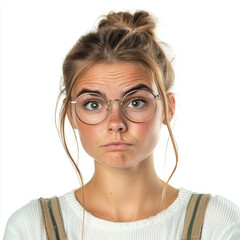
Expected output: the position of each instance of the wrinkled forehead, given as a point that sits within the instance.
(114, 78)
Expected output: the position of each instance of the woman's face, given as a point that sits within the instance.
(113, 79)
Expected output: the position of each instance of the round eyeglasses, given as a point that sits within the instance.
(138, 106)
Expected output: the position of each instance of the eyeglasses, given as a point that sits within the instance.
(137, 106)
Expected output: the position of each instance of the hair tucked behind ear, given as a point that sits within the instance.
(120, 36)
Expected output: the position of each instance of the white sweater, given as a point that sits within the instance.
(222, 222)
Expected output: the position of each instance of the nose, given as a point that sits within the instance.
(116, 120)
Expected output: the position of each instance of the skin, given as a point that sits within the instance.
(125, 186)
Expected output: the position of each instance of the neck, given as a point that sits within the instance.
(129, 193)
(123, 186)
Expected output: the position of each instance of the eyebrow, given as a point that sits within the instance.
(137, 87)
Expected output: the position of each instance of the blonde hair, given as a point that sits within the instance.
(120, 36)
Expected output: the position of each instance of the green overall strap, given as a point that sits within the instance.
(194, 217)
(52, 219)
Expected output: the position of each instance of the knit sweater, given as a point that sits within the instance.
(222, 222)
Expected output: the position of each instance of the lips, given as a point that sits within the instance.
(115, 143)
(117, 147)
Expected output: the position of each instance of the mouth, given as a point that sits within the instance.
(119, 146)
(116, 143)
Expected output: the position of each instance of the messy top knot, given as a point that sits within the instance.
(139, 21)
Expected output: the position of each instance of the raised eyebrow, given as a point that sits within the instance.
(137, 87)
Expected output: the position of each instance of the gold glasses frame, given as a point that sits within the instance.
(121, 104)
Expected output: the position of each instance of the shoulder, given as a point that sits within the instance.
(28, 221)
(222, 218)
(224, 209)
(25, 222)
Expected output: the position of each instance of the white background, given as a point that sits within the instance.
(36, 36)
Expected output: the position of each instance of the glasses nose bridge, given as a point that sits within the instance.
(110, 107)
(111, 100)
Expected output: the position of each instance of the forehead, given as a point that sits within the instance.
(114, 78)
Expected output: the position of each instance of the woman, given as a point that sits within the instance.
(117, 83)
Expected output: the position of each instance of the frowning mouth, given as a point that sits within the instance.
(119, 146)
(116, 143)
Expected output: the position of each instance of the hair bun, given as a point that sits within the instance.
(140, 21)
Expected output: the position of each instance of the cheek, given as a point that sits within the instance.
(88, 136)
(150, 131)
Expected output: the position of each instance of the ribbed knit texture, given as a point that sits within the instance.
(222, 222)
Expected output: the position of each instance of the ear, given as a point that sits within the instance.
(70, 114)
(171, 106)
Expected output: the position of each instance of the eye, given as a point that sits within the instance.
(137, 103)
(94, 105)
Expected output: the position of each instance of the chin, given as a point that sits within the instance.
(117, 162)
